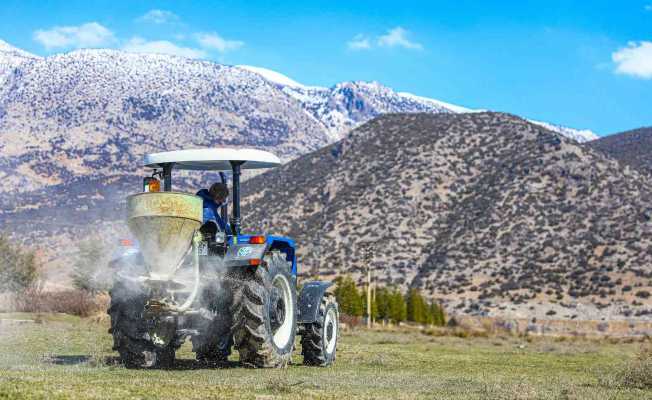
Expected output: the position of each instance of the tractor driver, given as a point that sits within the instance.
(214, 199)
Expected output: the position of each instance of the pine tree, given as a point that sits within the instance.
(398, 310)
(349, 298)
(383, 304)
(417, 309)
(437, 314)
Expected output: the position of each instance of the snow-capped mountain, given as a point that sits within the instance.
(348, 104)
(90, 113)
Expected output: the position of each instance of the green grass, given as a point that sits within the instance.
(66, 357)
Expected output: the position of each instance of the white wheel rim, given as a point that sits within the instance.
(331, 319)
(282, 336)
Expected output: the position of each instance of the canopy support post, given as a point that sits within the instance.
(224, 210)
(235, 219)
(167, 177)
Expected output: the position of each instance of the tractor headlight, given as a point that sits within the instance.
(219, 237)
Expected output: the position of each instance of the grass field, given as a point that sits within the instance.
(60, 356)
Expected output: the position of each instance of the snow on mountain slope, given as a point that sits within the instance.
(11, 57)
(580, 135)
(437, 103)
(275, 77)
(348, 104)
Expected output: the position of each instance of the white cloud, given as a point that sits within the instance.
(216, 42)
(158, 17)
(397, 37)
(634, 60)
(140, 45)
(359, 42)
(91, 34)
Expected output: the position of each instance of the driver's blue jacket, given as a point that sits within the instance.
(212, 210)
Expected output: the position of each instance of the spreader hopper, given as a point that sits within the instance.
(163, 223)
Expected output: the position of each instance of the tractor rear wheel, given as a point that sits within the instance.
(129, 330)
(319, 339)
(264, 314)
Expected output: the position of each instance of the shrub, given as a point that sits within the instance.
(636, 373)
(74, 302)
(19, 268)
(90, 269)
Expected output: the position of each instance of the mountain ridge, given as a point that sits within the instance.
(633, 148)
(315, 96)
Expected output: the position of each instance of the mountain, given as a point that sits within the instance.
(348, 104)
(96, 112)
(633, 148)
(488, 212)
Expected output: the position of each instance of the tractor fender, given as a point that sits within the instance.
(240, 254)
(309, 300)
(283, 244)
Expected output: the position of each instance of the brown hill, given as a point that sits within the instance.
(633, 148)
(486, 211)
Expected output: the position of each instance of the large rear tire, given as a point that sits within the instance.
(129, 330)
(264, 314)
(319, 339)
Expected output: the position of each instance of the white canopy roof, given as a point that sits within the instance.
(213, 159)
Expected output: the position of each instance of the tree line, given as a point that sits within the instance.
(388, 304)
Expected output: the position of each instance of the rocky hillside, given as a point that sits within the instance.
(487, 211)
(633, 148)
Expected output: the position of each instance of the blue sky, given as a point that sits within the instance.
(584, 64)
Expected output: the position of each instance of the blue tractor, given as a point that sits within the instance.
(222, 289)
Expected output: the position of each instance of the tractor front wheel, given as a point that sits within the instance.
(319, 339)
(264, 314)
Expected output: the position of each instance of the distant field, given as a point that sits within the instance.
(60, 357)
